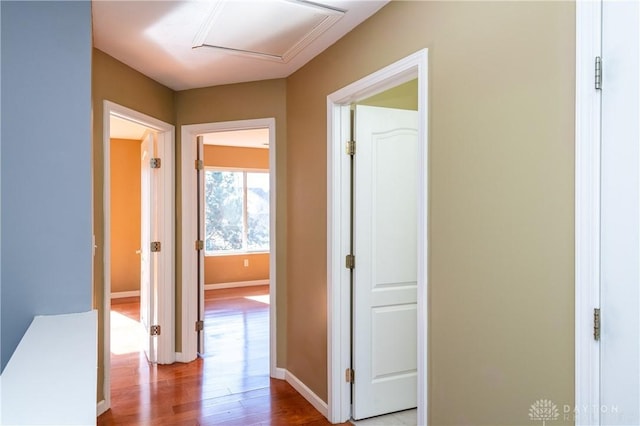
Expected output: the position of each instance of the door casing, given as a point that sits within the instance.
(588, 110)
(587, 209)
(166, 294)
(189, 146)
(338, 229)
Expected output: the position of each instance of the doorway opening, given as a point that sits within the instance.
(339, 229)
(233, 211)
(125, 135)
(125, 184)
(204, 145)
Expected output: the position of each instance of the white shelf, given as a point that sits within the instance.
(51, 377)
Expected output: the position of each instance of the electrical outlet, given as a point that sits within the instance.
(246, 263)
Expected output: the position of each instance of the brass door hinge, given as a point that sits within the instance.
(199, 325)
(155, 163)
(199, 164)
(199, 245)
(350, 261)
(156, 246)
(154, 330)
(349, 375)
(351, 147)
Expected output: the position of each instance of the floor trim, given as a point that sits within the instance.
(235, 284)
(279, 373)
(101, 407)
(307, 393)
(123, 294)
(181, 358)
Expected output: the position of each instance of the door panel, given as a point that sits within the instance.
(393, 327)
(148, 260)
(385, 248)
(620, 226)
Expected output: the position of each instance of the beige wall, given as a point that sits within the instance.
(125, 215)
(114, 81)
(403, 96)
(244, 101)
(501, 258)
(230, 268)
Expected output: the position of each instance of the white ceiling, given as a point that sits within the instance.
(195, 43)
(119, 128)
(251, 138)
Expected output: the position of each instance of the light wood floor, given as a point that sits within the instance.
(230, 385)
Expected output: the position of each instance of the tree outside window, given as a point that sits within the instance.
(236, 211)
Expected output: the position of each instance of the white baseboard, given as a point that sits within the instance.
(279, 373)
(101, 407)
(307, 393)
(181, 357)
(235, 284)
(122, 294)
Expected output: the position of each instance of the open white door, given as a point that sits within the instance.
(149, 259)
(620, 215)
(385, 248)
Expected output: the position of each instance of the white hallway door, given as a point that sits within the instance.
(620, 215)
(385, 249)
(149, 259)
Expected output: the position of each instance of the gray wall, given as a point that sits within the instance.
(45, 165)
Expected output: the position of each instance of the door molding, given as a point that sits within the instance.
(166, 294)
(587, 209)
(188, 148)
(338, 229)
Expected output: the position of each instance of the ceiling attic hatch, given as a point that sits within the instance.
(276, 30)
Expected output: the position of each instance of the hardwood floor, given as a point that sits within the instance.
(230, 385)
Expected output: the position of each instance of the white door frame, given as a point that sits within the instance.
(166, 294)
(188, 149)
(338, 229)
(587, 211)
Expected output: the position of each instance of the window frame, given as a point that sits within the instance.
(245, 223)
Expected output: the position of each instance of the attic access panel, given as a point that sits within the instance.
(270, 29)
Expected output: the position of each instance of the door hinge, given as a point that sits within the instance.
(155, 246)
(350, 261)
(154, 330)
(199, 245)
(351, 147)
(155, 163)
(596, 324)
(199, 164)
(199, 325)
(349, 375)
(598, 76)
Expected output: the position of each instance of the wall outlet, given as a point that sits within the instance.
(246, 263)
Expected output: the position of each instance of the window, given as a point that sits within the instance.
(236, 209)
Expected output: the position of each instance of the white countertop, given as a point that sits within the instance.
(51, 379)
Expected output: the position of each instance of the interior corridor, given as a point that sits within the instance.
(229, 385)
